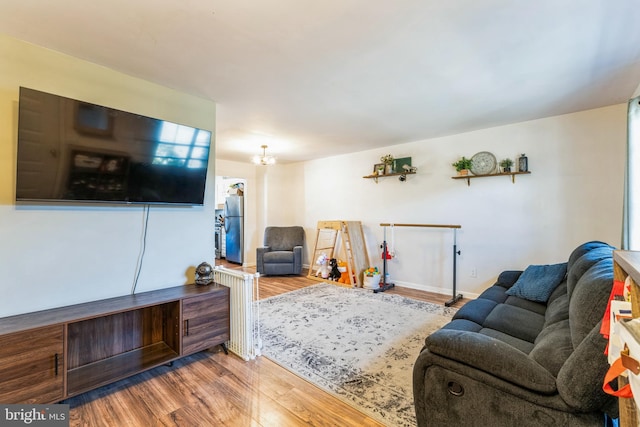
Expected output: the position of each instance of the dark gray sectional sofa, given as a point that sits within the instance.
(505, 360)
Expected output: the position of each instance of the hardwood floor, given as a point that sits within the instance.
(214, 389)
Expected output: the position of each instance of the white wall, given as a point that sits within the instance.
(574, 194)
(54, 255)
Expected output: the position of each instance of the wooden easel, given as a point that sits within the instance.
(351, 244)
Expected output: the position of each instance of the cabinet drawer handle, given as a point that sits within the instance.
(56, 362)
(186, 327)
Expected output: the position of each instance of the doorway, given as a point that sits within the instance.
(229, 219)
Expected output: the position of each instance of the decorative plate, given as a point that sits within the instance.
(483, 163)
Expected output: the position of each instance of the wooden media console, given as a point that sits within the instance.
(51, 355)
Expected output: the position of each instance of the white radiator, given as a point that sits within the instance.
(245, 311)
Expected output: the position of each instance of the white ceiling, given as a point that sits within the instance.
(318, 78)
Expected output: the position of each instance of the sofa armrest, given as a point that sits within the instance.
(297, 259)
(493, 357)
(263, 250)
(508, 278)
(260, 258)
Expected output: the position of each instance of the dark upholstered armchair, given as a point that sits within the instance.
(282, 251)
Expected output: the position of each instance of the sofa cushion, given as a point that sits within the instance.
(537, 282)
(463, 325)
(507, 278)
(476, 310)
(584, 263)
(515, 321)
(583, 249)
(522, 345)
(494, 293)
(533, 306)
(580, 378)
(279, 269)
(492, 356)
(283, 238)
(557, 311)
(277, 257)
(553, 346)
(559, 291)
(590, 298)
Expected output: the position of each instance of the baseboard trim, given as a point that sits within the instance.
(426, 288)
(434, 289)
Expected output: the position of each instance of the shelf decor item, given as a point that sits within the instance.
(402, 164)
(523, 163)
(204, 274)
(483, 163)
(462, 166)
(388, 163)
(506, 164)
(378, 169)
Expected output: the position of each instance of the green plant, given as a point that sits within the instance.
(462, 164)
(387, 160)
(506, 163)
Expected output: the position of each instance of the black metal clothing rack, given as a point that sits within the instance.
(384, 286)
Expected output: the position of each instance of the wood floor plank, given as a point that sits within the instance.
(211, 388)
(248, 394)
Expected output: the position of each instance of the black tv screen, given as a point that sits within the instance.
(70, 150)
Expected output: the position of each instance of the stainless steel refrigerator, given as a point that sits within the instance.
(234, 228)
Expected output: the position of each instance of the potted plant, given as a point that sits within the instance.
(462, 166)
(506, 164)
(388, 163)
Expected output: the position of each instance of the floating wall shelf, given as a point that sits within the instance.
(400, 174)
(511, 174)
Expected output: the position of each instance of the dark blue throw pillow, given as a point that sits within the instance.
(537, 282)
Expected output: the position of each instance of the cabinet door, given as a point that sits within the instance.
(31, 366)
(205, 321)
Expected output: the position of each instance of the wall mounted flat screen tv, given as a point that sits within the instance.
(75, 151)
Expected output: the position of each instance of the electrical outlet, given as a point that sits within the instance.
(474, 272)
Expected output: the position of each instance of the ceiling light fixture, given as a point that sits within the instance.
(264, 159)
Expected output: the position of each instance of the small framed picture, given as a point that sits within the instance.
(378, 169)
(401, 162)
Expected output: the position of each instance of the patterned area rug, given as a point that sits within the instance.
(357, 345)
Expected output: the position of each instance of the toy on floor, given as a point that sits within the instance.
(344, 273)
(334, 274)
(323, 269)
(371, 271)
